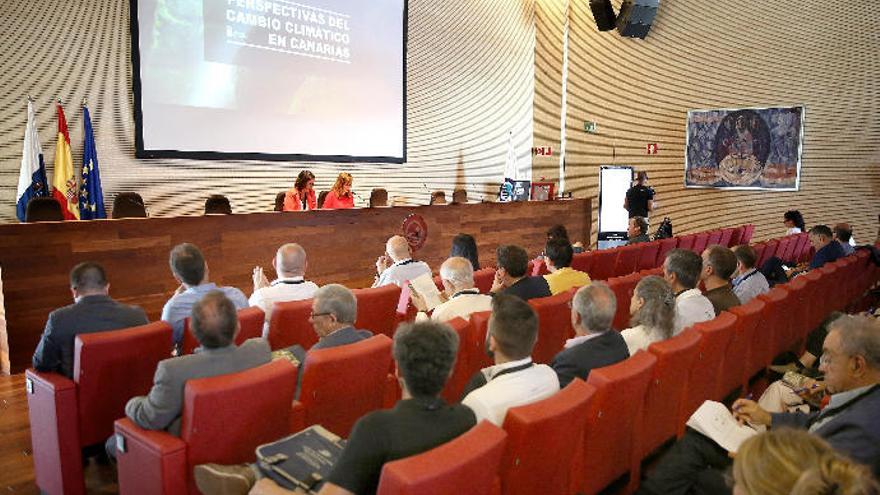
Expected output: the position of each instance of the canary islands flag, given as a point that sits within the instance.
(65, 189)
(32, 180)
(91, 196)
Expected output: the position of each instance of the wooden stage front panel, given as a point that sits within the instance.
(342, 247)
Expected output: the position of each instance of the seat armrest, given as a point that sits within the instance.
(392, 392)
(297, 417)
(153, 462)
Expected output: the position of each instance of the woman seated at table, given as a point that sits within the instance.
(302, 196)
(340, 196)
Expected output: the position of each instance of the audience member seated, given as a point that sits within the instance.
(511, 275)
(791, 462)
(302, 196)
(396, 266)
(462, 298)
(214, 323)
(340, 195)
(748, 282)
(290, 266)
(719, 263)
(560, 232)
(843, 235)
(378, 198)
(217, 204)
(794, 221)
(425, 354)
(557, 256)
(92, 311)
(851, 363)
(514, 380)
(653, 314)
(190, 269)
(595, 344)
(637, 231)
(682, 270)
(827, 250)
(465, 246)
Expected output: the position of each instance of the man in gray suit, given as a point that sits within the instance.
(92, 311)
(215, 324)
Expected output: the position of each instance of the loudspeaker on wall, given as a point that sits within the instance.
(603, 13)
(636, 17)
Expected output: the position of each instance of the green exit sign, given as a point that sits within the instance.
(590, 127)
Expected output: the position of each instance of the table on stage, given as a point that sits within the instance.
(342, 247)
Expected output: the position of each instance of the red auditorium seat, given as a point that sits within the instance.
(333, 396)
(648, 258)
(604, 263)
(583, 261)
(666, 245)
(776, 323)
(250, 320)
(747, 339)
(479, 328)
(726, 237)
(784, 249)
(540, 452)
(623, 290)
(613, 422)
(797, 292)
(467, 464)
(668, 388)
(759, 252)
(701, 240)
(714, 238)
(816, 308)
(768, 252)
(627, 260)
(705, 376)
(539, 268)
(748, 231)
(377, 309)
(224, 419)
(736, 237)
(65, 415)
(463, 367)
(687, 242)
(802, 245)
(554, 320)
(290, 325)
(483, 279)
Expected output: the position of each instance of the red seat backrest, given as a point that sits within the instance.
(483, 279)
(668, 388)
(250, 321)
(623, 290)
(554, 325)
(290, 325)
(666, 245)
(628, 260)
(784, 249)
(112, 367)
(746, 340)
(614, 420)
(467, 464)
(737, 236)
(715, 238)
(759, 252)
(604, 263)
(539, 268)
(463, 369)
(726, 237)
(377, 308)
(479, 328)
(768, 252)
(648, 257)
(687, 242)
(701, 240)
(333, 394)
(748, 230)
(803, 246)
(705, 376)
(537, 429)
(583, 262)
(775, 324)
(226, 417)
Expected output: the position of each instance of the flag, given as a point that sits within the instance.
(64, 187)
(32, 180)
(91, 196)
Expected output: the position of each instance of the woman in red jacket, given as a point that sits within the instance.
(302, 196)
(340, 196)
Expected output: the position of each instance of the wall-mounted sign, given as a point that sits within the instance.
(652, 148)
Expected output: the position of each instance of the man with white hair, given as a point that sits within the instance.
(396, 266)
(462, 297)
(290, 266)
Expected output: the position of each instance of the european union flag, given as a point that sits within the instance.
(91, 196)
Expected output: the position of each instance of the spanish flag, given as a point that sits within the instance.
(64, 186)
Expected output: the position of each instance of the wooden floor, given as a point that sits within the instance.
(16, 464)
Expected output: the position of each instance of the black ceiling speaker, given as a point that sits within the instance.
(603, 14)
(635, 17)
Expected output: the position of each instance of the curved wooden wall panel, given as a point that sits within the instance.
(470, 72)
(737, 53)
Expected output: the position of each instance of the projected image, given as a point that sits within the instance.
(321, 77)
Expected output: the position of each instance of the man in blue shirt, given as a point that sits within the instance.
(190, 269)
(827, 250)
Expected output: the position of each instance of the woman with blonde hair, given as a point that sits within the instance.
(340, 195)
(787, 461)
(653, 314)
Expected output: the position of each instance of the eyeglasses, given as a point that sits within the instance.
(312, 314)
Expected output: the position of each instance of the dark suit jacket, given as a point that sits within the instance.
(578, 361)
(853, 428)
(162, 407)
(91, 314)
(529, 288)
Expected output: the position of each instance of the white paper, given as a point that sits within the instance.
(716, 422)
(425, 287)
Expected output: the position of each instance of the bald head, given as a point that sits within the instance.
(458, 272)
(290, 260)
(397, 248)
